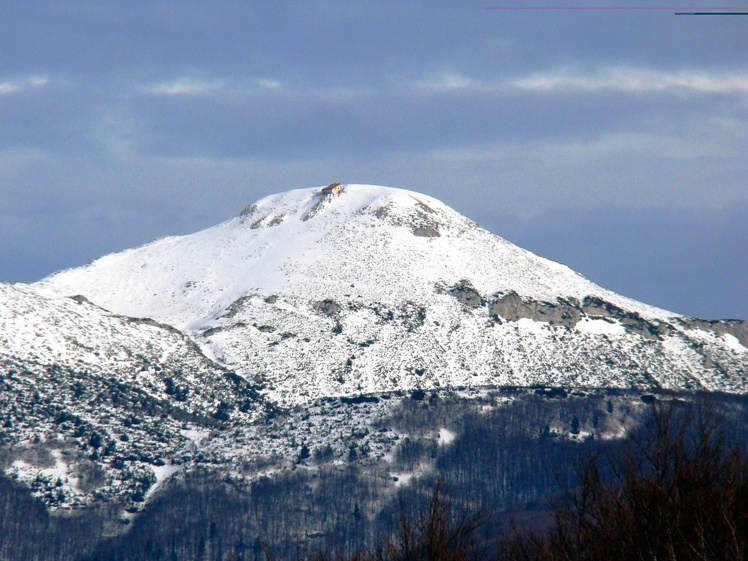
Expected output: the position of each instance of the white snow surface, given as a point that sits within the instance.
(600, 326)
(733, 343)
(446, 436)
(51, 330)
(186, 280)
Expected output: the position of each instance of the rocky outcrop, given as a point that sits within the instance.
(568, 312)
(248, 211)
(512, 307)
(595, 307)
(421, 221)
(466, 294)
(425, 232)
(328, 307)
(238, 305)
(322, 200)
(720, 327)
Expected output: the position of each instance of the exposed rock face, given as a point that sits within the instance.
(633, 322)
(322, 201)
(237, 305)
(467, 295)
(512, 307)
(421, 221)
(328, 307)
(425, 232)
(248, 211)
(734, 327)
(564, 312)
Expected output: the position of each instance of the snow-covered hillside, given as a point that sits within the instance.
(93, 404)
(176, 355)
(375, 289)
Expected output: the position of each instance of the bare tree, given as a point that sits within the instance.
(679, 490)
(439, 532)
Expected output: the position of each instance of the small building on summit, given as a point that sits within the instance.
(332, 189)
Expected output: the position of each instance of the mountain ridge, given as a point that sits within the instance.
(311, 293)
(309, 318)
(307, 217)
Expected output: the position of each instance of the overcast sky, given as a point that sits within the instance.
(615, 140)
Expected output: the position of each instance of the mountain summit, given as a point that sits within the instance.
(357, 289)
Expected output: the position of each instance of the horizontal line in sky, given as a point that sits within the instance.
(711, 13)
(691, 9)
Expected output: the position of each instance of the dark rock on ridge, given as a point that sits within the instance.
(512, 307)
(735, 327)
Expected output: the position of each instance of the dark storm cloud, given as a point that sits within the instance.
(397, 77)
(356, 44)
(50, 116)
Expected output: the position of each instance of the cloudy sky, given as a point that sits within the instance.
(612, 140)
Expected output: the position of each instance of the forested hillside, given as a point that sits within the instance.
(496, 453)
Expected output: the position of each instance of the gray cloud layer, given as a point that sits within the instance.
(125, 121)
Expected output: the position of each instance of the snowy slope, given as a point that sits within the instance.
(71, 333)
(119, 374)
(377, 289)
(95, 404)
(304, 244)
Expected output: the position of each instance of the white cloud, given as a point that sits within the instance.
(184, 87)
(634, 80)
(195, 87)
(450, 81)
(8, 88)
(16, 86)
(614, 79)
(267, 83)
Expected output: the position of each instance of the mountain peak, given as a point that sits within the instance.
(340, 202)
(345, 289)
(349, 291)
(391, 244)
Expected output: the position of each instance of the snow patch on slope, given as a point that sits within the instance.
(446, 436)
(734, 343)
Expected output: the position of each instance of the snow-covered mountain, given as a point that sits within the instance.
(365, 289)
(178, 355)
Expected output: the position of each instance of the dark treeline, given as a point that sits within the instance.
(677, 491)
(504, 465)
(28, 532)
(502, 457)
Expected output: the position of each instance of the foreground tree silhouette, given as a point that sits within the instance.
(679, 490)
(439, 532)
